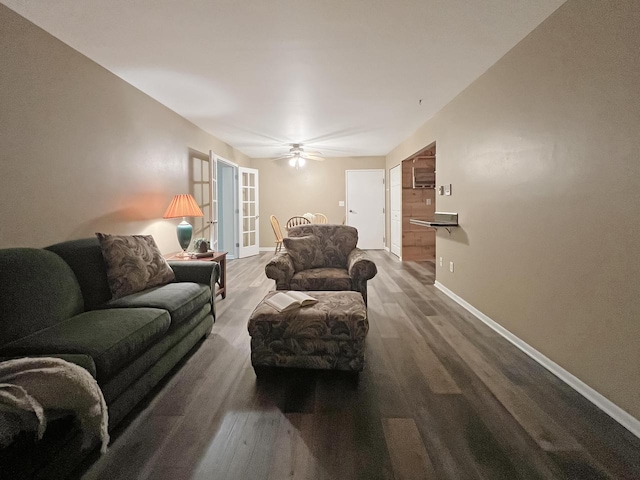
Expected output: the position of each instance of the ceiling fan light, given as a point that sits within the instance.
(292, 161)
(301, 161)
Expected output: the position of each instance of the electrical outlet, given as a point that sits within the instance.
(451, 267)
(428, 201)
(440, 261)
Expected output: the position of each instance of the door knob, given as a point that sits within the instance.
(351, 211)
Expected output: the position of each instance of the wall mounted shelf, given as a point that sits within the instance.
(440, 219)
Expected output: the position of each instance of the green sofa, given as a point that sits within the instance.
(57, 302)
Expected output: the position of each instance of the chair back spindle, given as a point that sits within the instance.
(297, 220)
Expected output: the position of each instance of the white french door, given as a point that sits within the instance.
(213, 220)
(365, 206)
(249, 212)
(395, 205)
(201, 190)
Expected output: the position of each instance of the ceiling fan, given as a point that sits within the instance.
(298, 157)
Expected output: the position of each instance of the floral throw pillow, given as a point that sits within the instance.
(305, 252)
(134, 263)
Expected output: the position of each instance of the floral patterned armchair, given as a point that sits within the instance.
(322, 257)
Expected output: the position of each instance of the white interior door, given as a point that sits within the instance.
(249, 212)
(213, 175)
(395, 205)
(365, 206)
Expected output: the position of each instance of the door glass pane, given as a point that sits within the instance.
(245, 240)
(245, 194)
(245, 224)
(252, 195)
(252, 238)
(245, 209)
(252, 209)
(252, 223)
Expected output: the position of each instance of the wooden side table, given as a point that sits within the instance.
(220, 257)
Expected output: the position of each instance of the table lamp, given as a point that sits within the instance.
(183, 206)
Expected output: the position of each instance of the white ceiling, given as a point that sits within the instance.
(342, 76)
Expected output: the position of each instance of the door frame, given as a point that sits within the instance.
(232, 253)
(382, 195)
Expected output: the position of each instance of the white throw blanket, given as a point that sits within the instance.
(30, 387)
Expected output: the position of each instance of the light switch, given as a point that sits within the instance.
(341, 203)
(447, 189)
(451, 267)
(441, 190)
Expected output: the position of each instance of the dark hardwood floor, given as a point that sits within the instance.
(441, 397)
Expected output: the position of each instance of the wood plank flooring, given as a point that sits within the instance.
(441, 397)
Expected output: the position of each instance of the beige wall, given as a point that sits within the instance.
(316, 187)
(542, 152)
(83, 151)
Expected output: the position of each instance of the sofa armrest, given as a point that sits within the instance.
(359, 266)
(360, 270)
(280, 268)
(206, 273)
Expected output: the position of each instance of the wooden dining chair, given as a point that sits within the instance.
(297, 220)
(277, 231)
(320, 218)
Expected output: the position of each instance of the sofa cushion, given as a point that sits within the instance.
(304, 251)
(113, 338)
(134, 263)
(335, 241)
(38, 291)
(149, 360)
(181, 300)
(321, 279)
(84, 256)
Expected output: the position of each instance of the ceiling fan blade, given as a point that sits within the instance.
(314, 157)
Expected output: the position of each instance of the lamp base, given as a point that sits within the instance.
(184, 231)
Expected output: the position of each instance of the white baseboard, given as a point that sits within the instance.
(624, 418)
(387, 249)
(267, 249)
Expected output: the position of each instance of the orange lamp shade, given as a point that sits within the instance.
(183, 206)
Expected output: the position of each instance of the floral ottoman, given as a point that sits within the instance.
(329, 334)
